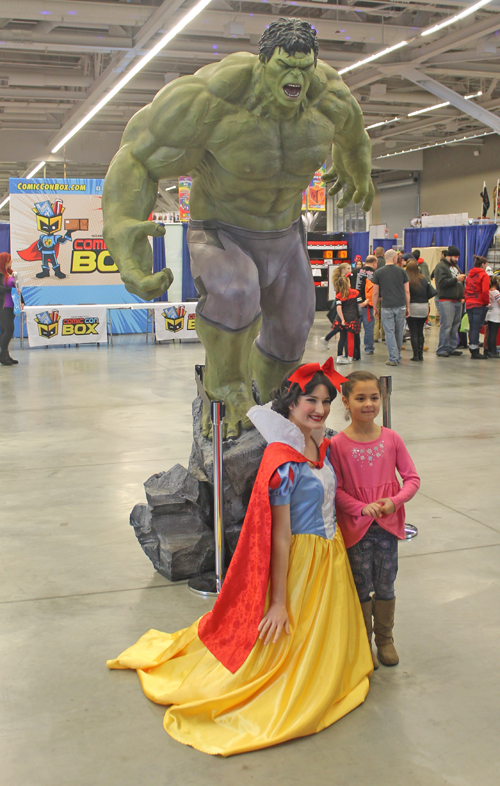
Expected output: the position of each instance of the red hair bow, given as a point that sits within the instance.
(305, 373)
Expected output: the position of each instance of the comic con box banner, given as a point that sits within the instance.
(56, 233)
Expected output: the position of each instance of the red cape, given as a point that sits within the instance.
(230, 630)
(32, 253)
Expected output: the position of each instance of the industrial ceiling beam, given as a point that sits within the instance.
(109, 77)
(445, 94)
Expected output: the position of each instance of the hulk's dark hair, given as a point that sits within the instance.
(291, 35)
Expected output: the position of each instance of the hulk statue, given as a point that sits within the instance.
(251, 131)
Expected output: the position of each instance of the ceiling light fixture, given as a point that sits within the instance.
(30, 174)
(436, 144)
(36, 169)
(197, 9)
(170, 188)
(376, 56)
(439, 106)
(383, 123)
(456, 18)
(428, 109)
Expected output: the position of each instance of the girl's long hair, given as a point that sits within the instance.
(5, 266)
(414, 274)
(340, 281)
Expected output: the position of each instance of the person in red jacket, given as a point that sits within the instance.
(477, 300)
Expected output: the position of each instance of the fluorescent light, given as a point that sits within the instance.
(439, 106)
(36, 169)
(456, 18)
(428, 109)
(374, 57)
(382, 123)
(436, 144)
(197, 9)
(4, 202)
(170, 188)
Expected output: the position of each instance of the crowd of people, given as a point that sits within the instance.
(391, 291)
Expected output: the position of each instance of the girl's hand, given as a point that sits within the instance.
(373, 510)
(273, 623)
(387, 506)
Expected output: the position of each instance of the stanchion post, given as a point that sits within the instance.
(386, 383)
(208, 584)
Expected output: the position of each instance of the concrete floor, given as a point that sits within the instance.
(82, 429)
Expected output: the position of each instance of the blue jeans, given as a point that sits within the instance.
(450, 312)
(393, 320)
(369, 327)
(476, 315)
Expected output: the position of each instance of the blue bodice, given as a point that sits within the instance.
(310, 493)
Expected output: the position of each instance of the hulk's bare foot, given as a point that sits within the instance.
(237, 399)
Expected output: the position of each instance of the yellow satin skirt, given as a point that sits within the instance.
(298, 686)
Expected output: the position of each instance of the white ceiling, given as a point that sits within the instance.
(57, 58)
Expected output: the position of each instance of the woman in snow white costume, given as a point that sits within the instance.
(284, 652)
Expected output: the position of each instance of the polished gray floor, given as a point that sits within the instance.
(81, 430)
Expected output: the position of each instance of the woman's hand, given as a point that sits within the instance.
(273, 623)
(373, 510)
(387, 506)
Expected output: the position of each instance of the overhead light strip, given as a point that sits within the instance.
(456, 18)
(421, 111)
(375, 56)
(197, 9)
(440, 106)
(383, 123)
(451, 20)
(435, 144)
(30, 174)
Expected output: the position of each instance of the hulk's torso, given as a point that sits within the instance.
(255, 169)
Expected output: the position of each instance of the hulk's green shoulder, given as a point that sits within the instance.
(230, 78)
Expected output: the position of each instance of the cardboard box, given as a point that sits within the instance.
(74, 224)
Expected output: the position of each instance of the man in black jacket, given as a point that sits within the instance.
(448, 280)
(367, 311)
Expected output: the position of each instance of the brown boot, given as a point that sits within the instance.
(366, 608)
(383, 614)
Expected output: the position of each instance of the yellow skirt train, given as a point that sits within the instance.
(298, 686)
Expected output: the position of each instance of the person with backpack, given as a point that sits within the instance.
(365, 288)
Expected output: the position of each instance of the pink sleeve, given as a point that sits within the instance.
(406, 468)
(343, 500)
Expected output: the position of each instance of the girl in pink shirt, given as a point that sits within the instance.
(370, 505)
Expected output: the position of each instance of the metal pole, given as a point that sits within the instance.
(208, 584)
(410, 529)
(217, 412)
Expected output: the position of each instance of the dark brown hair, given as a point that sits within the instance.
(479, 261)
(359, 376)
(288, 392)
(414, 274)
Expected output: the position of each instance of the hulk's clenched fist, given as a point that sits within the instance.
(251, 131)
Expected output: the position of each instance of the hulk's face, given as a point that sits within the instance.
(288, 76)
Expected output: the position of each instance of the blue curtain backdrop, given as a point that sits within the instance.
(360, 245)
(385, 242)
(417, 238)
(188, 288)
(478, 241)
(470, 240)
(159, 262)
(5, 237)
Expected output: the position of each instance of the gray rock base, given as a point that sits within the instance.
(175, 528)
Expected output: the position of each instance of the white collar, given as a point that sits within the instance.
(276, 428)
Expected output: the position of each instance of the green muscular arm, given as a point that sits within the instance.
(351, 152)
(165, 139)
